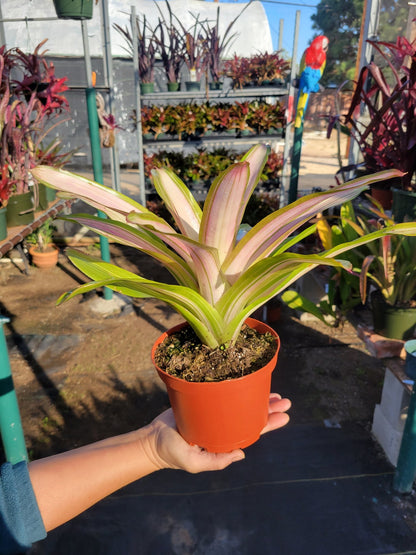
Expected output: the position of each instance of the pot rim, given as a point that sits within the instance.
(252, 322)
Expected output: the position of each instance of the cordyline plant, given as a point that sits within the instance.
(388, 139)
(170, 44)
(221, 280)
(146, 46)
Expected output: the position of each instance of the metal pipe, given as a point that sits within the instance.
(289, 114)
(138, 104)
(10, 422)
(109, 82)
(95, 142)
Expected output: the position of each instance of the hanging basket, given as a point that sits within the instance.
(73, 9)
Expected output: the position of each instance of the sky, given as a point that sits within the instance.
(287, 12)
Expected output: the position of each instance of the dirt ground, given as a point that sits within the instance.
(80, 376)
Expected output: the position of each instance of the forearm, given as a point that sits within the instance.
(69, 483)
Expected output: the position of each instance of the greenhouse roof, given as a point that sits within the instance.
(65, 39)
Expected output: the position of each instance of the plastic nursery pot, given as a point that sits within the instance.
(147, 88)
(46, 195)
(391, 321)
(46, 259)
(404, 206)
(173, 87)
(20, 209)
(383, 196)
(193, 85)
(3, 223)
(221, 416)
(410, 365)
(73, 9)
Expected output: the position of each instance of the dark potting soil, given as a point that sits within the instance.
(183, 355)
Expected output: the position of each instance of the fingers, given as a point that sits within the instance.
(277, 404)
(277, 413)
(276, 420)
(203, 461)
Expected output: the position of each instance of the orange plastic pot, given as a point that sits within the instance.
(221, 416)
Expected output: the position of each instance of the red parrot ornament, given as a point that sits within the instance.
(311, 68)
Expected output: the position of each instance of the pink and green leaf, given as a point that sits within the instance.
(268, 234)
(114, 204)
(179, 201)
(140, 239)
(227, 199)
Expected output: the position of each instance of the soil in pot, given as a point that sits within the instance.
(183, 355)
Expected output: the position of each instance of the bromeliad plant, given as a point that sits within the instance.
(220, 280)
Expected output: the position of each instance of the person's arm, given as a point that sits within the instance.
(67, 484)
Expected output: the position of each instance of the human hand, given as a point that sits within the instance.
(170, 450)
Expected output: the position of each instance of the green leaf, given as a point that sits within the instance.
(298, 302)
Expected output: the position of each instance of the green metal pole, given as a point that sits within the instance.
(294, 174)
(405, 474)
(97, 168)
(10, 423)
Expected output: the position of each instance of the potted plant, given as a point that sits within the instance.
(29, 109)
(382, 119)
(237, 69)
(146, 51)
(220, 282)
(389, 266)
(216, 46)
(268, 69)
(240, 115)
(194, 53)
(170, 47)
(43, 252)
(386, 264)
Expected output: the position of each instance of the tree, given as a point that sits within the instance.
(340, 21)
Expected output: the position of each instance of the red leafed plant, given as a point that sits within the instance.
(387, 135)
(29, 110)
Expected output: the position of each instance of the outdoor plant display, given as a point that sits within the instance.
(260, 69)
(31, 102)
(186, 121)
(204, 165)
(220, 282)
(387, 265)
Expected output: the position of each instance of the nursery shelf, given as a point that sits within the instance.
(248, 92)
(224, 140)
